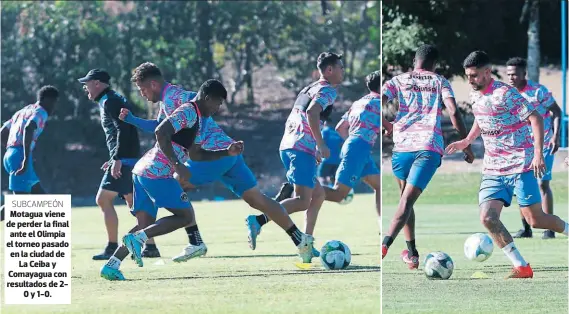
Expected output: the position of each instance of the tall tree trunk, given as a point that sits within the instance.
(203, 11)
(249, 73)
(533, 41)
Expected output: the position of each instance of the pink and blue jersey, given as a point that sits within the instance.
(541, 98)
(298, 135)
(154, 164)
(364, 117)
(211, 136)
(417, 125)
(21, 119)
(502, 112)
(173, 96)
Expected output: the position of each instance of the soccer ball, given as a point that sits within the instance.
(348, 199)
(478, 247)
(335, 255)
(438, 265)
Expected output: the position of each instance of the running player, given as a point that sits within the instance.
(124, 151)
(302, 145)
(512, 159)
(418, 140)
(20, 135)
(546, 106)
(208, 146)
(327, 168)
(360, 127)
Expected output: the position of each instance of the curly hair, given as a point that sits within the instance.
(145, 71)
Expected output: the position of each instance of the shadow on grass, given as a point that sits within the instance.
(259, 256)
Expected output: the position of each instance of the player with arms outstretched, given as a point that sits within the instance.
(546, 106)
(418, 140)
(512, 158)
(20, 135)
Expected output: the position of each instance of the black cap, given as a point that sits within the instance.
(96, 74)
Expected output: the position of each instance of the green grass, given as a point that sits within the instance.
(445, 216)
(232, 278)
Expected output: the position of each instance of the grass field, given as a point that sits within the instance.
(232, 278)
(446, 215)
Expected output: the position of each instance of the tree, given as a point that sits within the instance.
(531, 11)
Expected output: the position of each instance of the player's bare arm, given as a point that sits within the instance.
(164, 133)
(5, 133)
(464, 143)
(28, 138)
(555, 111)
(538, 164)
(313, 115)
(458, 124)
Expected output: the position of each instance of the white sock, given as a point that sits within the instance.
(141, 236)
(114, 262)
(514, 255)
(566, 230)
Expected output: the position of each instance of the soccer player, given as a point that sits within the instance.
(327, 168)
(207, 162)
(124, 150)
(302, 145)
(20, 135)
(418, 140)
(512, 159)
(360, 126)
(538, 95)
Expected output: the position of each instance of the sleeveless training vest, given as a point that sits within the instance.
(303, 100)
(186, 137)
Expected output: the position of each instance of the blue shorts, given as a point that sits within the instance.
(356, 162)
(231, 171)
(416, 168)
(502, 188)
(300, 167)
(151, 194)
(548, 159)
(12, 162)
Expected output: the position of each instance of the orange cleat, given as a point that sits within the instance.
(521, 272)
(412, 262)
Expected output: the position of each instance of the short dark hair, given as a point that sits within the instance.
(213, 88)
(47, 92)
(517, 62)
(477, 59)
(373, 81)
(145, 71)
(327, 58)
(428, 54)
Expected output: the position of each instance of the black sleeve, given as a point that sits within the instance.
(113, 107)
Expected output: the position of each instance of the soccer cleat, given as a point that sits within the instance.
(522, 233)
(111, 274)
(305, 248)
(412, 262)
(315, 252)
(548, 234)
(107, 253)
(286, 192)
(134, 247)
(254, 229)
(150, 253)
(383, 250)
(521, 272)
(189, 252)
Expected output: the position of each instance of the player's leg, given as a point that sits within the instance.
(545, 190)
(25, 183)
(374, 181)
(495, 193)
(526, 231)
(111, 270)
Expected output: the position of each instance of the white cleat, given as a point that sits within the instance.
(305, 248)
(189, 252)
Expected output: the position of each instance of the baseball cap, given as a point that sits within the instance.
(96, 74)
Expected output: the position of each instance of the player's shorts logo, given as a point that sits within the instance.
(184, 197)
(353, 179)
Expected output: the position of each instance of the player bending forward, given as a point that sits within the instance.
(511, 161)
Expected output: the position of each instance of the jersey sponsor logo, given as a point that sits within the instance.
(490, 132)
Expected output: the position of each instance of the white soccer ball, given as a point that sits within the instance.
(348, 199)
(335, 255)
(438, 265)
(478, 247)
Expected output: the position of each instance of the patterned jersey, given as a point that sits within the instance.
(212, 137)
(364, 118)
(540, 97)
(173, 96)
(298, 135)
(502, 112)
(21, 119)
(417, 125)
(154, 164)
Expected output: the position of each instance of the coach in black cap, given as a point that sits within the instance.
(124, 151)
